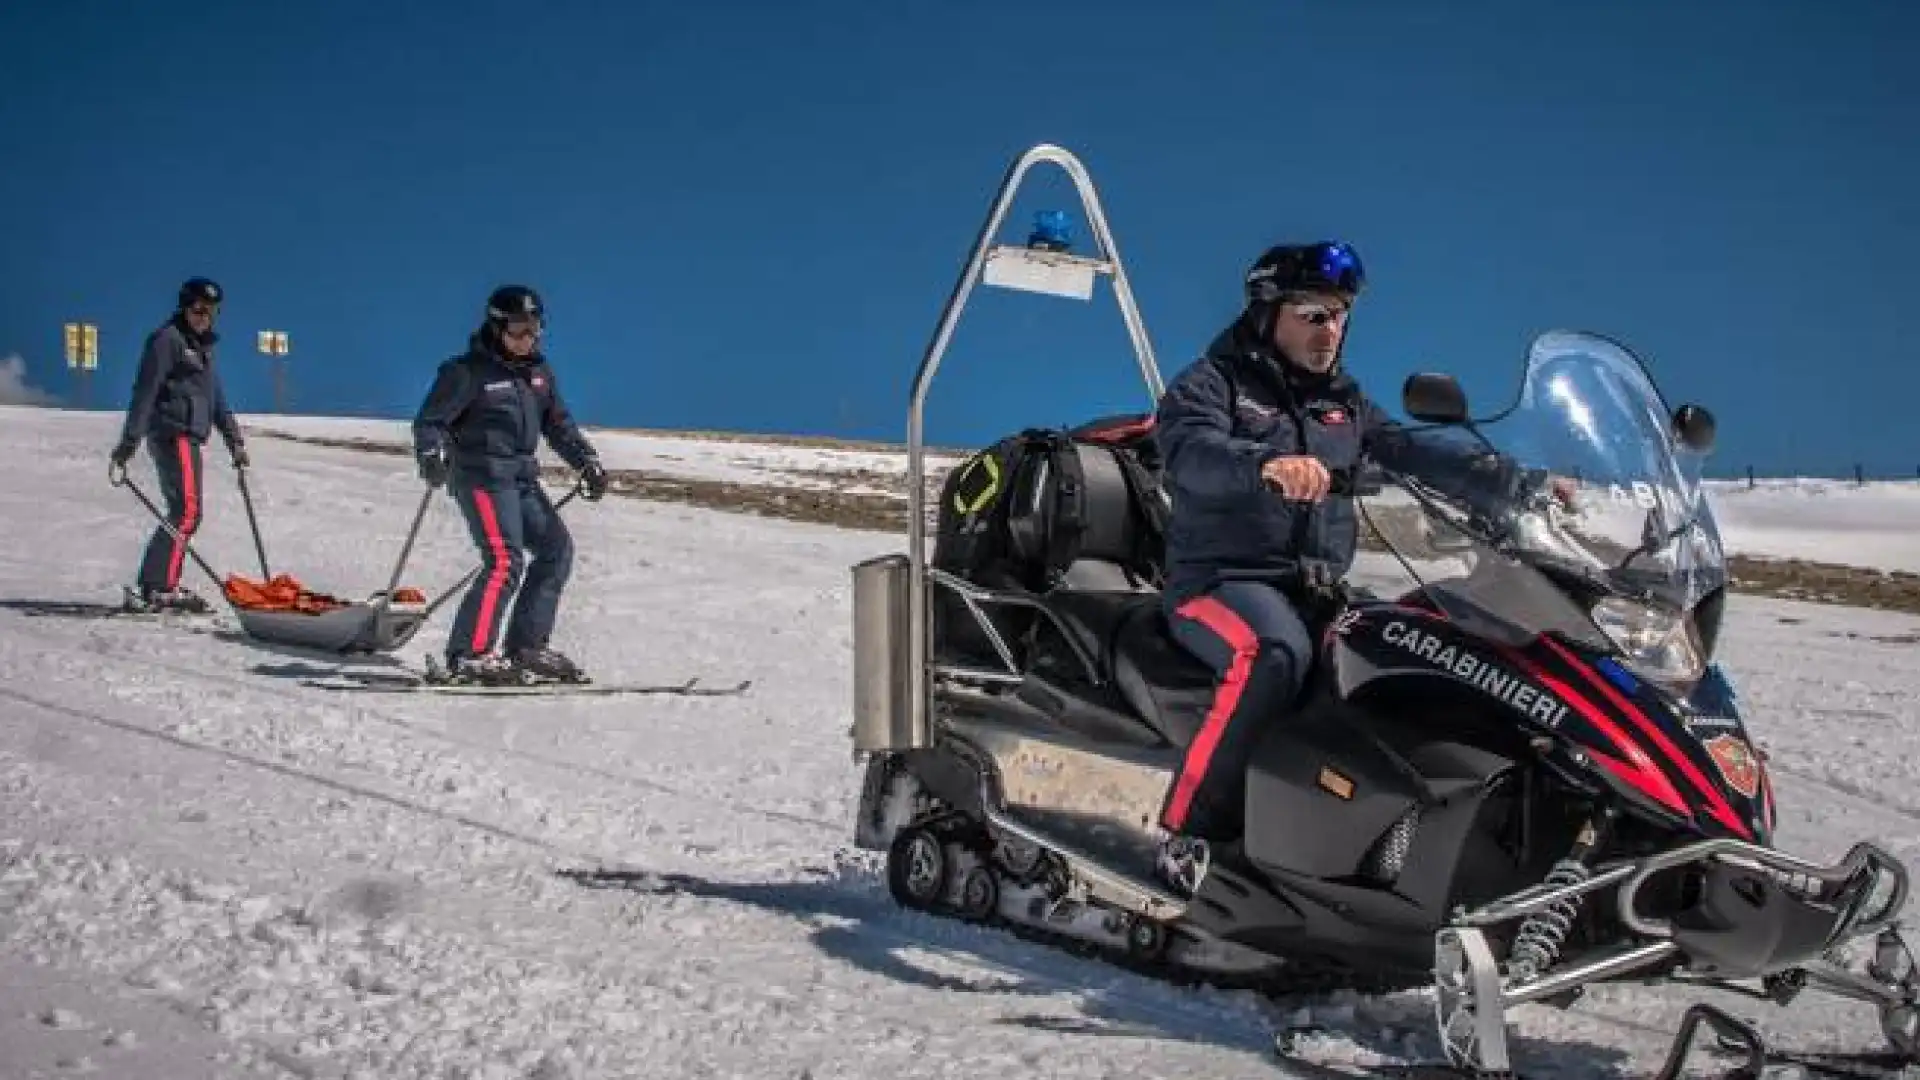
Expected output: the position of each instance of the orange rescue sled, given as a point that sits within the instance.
(277, 608)
(283, 611)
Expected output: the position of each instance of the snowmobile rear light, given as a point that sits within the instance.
(1658, 644)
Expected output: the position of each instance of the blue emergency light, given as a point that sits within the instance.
(1052, 231)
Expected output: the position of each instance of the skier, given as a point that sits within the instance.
(477, 432)
(1249, 433)
(177, 401)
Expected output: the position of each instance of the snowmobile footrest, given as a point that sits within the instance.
(1104, 882)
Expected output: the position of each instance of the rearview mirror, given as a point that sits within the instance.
(1693, 426)
(1434, 399)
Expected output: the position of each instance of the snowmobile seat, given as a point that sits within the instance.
(1159, 682)
(1169, 687)
(1107, 600)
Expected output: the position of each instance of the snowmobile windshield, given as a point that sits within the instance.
(1619, 568)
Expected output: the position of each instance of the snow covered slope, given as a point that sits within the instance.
(1875, 524)
(208, 869)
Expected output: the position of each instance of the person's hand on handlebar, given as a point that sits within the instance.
(1300, 477)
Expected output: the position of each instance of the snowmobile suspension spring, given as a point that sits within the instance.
(1537, 945)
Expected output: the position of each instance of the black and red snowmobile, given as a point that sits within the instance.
(1517, 772)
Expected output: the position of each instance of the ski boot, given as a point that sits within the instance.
(547, 665)
(145, 601)
(489, 669)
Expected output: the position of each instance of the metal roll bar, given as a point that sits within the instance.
(1038, 268)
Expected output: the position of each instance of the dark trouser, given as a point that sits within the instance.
(176, 460)
(1261, 650)
(506, 518)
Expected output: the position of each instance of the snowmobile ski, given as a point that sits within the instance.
(415, 684)
(1348, 1071)
(1741, 1038)
(1732, 1038)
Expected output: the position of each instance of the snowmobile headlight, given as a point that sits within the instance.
(1658, 643)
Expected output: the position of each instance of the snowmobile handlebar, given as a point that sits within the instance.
(1359, 480)
(1362, 480)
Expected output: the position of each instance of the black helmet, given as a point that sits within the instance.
(1328, 266)
(510, 302)
(200, 291)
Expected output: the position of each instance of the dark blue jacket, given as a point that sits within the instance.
(177, 391)
(1238, 407)
(489, 415)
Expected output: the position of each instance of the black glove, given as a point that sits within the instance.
(240, 458)
(124, 452)
(433, 467)
(595, 478)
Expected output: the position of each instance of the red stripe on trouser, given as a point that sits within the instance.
(496, 576)
(189, 514)
(1221, 620)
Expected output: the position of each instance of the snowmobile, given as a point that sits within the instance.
(1517, 771)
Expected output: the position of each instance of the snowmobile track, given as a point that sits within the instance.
(1297, 978)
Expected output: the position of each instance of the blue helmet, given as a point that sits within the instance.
(1327, 266)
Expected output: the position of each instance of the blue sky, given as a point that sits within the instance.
(747, 215)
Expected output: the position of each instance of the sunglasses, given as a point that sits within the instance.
(521, 332)
(1317, 314)
(203, 309)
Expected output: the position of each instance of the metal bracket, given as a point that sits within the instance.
(1038, 269)
(1468, 1000)
(1728, 1027)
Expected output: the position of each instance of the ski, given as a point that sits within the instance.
(414, 684)
(1346, 1071)
(84, 609)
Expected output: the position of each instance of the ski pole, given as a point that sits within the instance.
(406, 550)
(117, 476)
(253, 523)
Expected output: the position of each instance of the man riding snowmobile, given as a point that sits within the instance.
(1258, 542)
(1512, 775)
